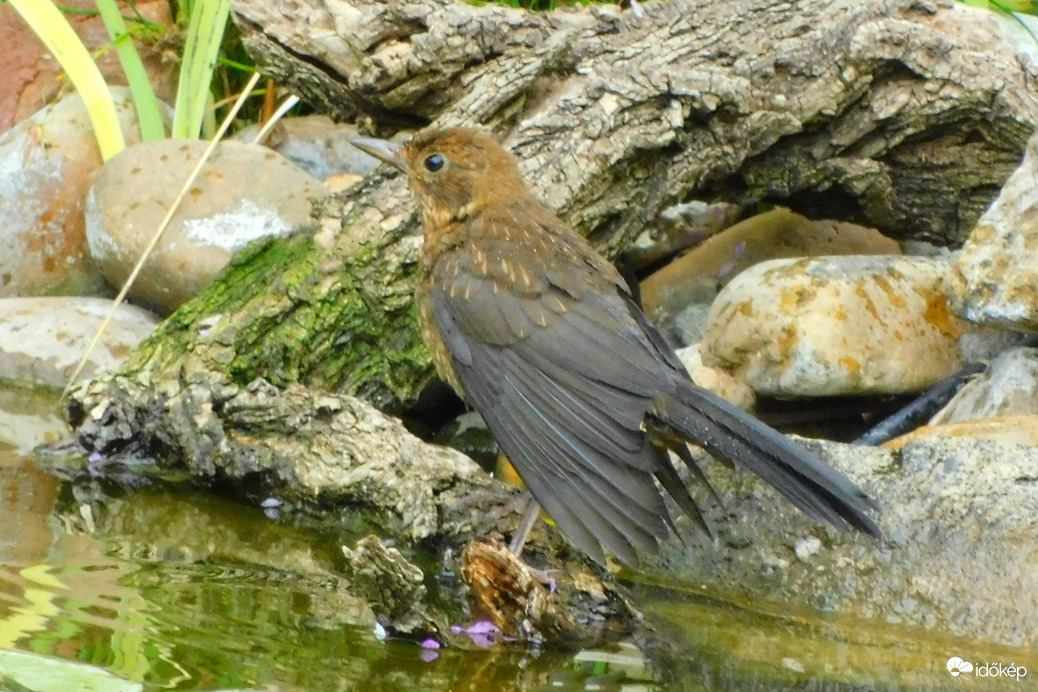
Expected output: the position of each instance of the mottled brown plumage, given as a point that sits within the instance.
(538, 332)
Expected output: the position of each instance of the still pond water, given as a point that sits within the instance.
(127, 585)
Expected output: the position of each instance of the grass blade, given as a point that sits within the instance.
(204, 35)
(148, 113)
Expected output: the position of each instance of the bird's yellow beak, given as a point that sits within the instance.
(383, 150)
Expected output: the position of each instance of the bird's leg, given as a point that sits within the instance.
(533, 511)
(530, 517)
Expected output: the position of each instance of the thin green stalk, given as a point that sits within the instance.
(205, 33)
(148, 113)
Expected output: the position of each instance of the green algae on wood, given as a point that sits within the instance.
(293, 310)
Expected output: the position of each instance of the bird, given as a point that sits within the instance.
(540, 334)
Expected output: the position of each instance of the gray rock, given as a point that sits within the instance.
(985, 343)
(681, 226)
(43, 339)
(961, 533)
(316, 144)
(244, 192)
(689, 326)
(1009, 387)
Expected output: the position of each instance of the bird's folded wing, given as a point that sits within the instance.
(565, 395)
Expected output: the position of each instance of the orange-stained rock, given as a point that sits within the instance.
(837, 326)
(1019, 430)
(47, 164)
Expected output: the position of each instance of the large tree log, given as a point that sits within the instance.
(904, 114)
(907, 115)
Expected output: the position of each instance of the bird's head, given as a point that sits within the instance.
(453, 172)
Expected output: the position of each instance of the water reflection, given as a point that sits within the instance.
(166, 588)
(181, 589)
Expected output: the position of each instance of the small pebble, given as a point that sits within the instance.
(807, 548)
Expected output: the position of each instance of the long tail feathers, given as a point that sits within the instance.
(726, 432)
(672, 483)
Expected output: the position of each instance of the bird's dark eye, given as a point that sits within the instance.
(434, 162)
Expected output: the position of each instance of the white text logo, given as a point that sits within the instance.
(956, 666)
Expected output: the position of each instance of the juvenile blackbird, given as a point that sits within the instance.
(539, 333)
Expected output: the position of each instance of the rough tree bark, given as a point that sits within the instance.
(903, 114)
(907, 115)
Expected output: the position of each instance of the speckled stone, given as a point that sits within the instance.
(43, 339)
(245, 192)
(836, 326)
(998, 264)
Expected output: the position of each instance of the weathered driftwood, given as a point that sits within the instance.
(904, 114)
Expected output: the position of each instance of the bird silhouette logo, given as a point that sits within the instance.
(957, 666)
